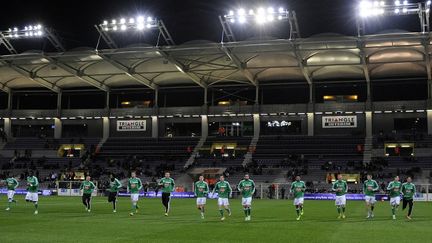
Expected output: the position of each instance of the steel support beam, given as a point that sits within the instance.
(130, 72)
(241, 66)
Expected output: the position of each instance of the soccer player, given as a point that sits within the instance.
(223, 188)
(298, 187)
(115, 186)
(394, 189)
(87, 188)
(341, 188)
(247, 189)
(134, 187)
(201, 191)
(32, 191)
(11, 184)
(168, 186)
(408, 192)
(369, 188)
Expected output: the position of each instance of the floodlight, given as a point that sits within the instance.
(138, 23)
(27, 31)
(405, 2)
(259, 15)
(428, 2)
(397, 3)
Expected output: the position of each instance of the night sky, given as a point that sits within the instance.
(185, 19)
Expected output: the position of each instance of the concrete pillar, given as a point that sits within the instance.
(257, 125)
(205, 95)
(155, 127)
(256, 94)
(10, 96)
(310, 123)
(57, 128)
(368, 124)
(311, 93)
(204, 126)
(156, 97)
(7, 127)
(105, 128)
(107, 104)
(429, 121)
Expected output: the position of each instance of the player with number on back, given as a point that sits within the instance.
(11, 184)
(168, 186)
(223, 188)
(247, 189)
(408, 193)
(201, 190)
(394, 188)
(32, 191)
(341, 188)
(134, 187)
(298, 188)
(369, 188)
(87, 188)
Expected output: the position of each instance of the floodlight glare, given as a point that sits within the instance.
(428, 2)
(397, 11)
(124, 24)
(27, 31)
(260, 15)
(405, 2)
(404, 10)
(397, 3)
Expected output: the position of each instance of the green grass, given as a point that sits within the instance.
(63, 219)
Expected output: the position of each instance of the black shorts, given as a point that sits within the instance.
(112, 196)
(86, 196)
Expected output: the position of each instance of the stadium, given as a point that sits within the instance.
(225, 121)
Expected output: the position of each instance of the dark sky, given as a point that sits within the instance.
(186, 19)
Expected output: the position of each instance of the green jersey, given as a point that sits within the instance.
(87, 187)
(394, 188)
(370, 187)
(11, 183)
(167, 184)
(223, 189)
(115, 185)
(408, 190)
(134, 185)
(32, 184)
(246, 187)
(298, 188)
(340, 187)
(201, 189)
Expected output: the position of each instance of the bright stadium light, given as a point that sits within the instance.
(29, 31)
(368, 9)
(139, 23)
(260, 15)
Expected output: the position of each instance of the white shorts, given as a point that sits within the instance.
(134, 197)
(340, 200)
(247, 201)
(201, 200)
(223, 202)
(395, 201)
(10, 194)
(370, 199)
(298, 201)
(32, 196)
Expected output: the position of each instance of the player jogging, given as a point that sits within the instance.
(247, 189)
(298, 188)
(408, 192)
(32, 191)
(11, 184)
(134, 187)
(369, 188)
(341, 188)
(168, 186)
(115, 186)
(87, 188)
(201, 190)
(394, 189)
(224, 191)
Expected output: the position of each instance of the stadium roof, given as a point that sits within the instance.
(320, 58)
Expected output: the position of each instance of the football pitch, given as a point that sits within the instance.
(63, 219)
